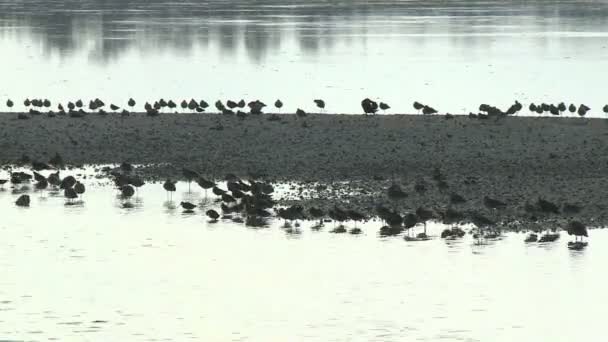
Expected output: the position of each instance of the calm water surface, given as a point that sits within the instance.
(100, 272)
(451, 54)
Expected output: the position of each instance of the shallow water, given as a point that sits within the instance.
(453, 55)
(98, 271)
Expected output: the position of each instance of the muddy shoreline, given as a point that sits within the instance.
(514, 159)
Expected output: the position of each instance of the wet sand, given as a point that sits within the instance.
(515, 159)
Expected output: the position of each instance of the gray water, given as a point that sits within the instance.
(103, 271)
(453, 55)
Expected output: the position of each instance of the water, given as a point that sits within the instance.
(101, 272)
(453, 55)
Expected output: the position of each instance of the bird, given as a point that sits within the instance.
(582, 110)
(114, 107)
(355, 216)
(184, 104)
(424, 215)
(605, 109)
(320, 103)
(213, 215)
(189, 175)
(369, 106)
(187, 206)
(219, 106)
(300, 113)
(23, 201)
(203, 104)
(70, 194)
(127, 191)
(384, 106)
(169, 186)
(278, 104)
(231, 104)
(572, 108)
(418, 106)
(205, 184)
(9, 103)
(79, 188)
(428, 110)
(532, 107)
(131, 103)
(67, 182)
(317, 213)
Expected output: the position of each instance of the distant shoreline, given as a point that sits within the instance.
(514, 159)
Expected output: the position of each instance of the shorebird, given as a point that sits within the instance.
(213, 215)
(192, 104)
(320, 103)
(231, 104)
(184, 105)
(189, 175)
(355, 216)
(424, 215)
(127, 191)
(532, 107)
(67, 182)
(70, 194)
(369, 106)
(572, 108)
(278, 104)
(418, 106)
(582, 110)
(219, 106)
(79, 104)
(131, 103)
(169, 186)
(79, 188)
(9, 103)
(428, 110)
(189, 207)
(300, 113)
(561, 107)
(203, 104)
(23, 201)
(384, 107)
(114, 107)
(205, 184)
(27, 103)
(605, 109)
(171, 104)
(317, 214)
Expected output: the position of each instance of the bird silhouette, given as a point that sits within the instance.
(320, 103)
(213, 215)
(169, 186)
(189, 207)
(278, 104)
(384, 106)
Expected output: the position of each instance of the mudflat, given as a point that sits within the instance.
(350, 160)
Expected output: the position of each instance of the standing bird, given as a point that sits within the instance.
(427, 110)
(231, 104)
(423, 215)
(189, 175)
(79, 188)
(384, 107)
(418, 106)
(70, 194)
(23, 201)
(127, 191)
(205, 184)
(369, 106)
(300, 113)
(572, 108)
(278, 104)
(9, 103)
(605, 109)
(532, 107)
(131, 103)
(169, 186)
(213, 215)
(582, 110)
(320, 104)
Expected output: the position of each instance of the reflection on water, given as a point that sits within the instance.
(453, 54)
(101, 271)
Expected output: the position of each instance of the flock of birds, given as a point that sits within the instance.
(251, 202)
(79, 109)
